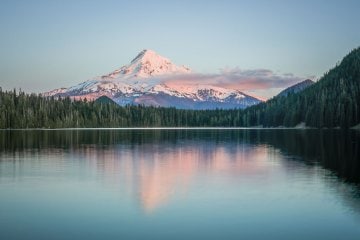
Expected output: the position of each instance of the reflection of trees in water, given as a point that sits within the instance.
(332, 149)
(335, 150)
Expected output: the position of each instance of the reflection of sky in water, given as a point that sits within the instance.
(194, 188)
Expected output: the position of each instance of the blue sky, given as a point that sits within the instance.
(51, 44)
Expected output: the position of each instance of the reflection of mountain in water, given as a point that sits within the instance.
(160, 164)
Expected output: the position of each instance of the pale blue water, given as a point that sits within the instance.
(179, 184)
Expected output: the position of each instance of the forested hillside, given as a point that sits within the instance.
(333, 101)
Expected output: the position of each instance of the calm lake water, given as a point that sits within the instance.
(179, 184)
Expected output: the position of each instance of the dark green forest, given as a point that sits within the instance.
(333, 101)
(20, 110)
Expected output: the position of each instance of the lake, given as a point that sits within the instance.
(179, 184)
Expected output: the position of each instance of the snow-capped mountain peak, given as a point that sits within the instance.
(147, 64)
(145, 81)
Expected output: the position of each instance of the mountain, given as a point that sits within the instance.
(333, 101)
(144, 81)
(104, 100)
(298, 87)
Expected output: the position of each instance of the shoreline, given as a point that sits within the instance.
(171, 128)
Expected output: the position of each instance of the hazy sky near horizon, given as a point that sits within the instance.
(51, 44)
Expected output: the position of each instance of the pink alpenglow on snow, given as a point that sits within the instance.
(147, 64)
(151, 79)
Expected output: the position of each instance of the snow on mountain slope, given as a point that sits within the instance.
(147, 64)
(143, 82)
(55, 92)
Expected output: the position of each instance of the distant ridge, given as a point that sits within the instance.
(296, 88)
(105, 99)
